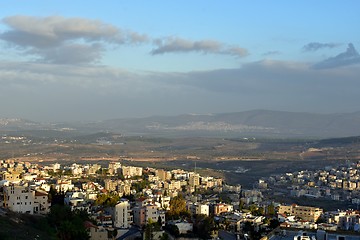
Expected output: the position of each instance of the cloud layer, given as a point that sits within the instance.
(349, 57)
(65, 92)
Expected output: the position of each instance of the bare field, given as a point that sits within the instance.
(240, 161)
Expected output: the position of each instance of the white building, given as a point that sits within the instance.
(198, 208)
(114, 168)
(130, 171)
(22, 199)
(64, 185)
(194, 179)
(122, 214)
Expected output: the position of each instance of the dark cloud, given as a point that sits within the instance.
(349, 57)
(314, 46)
(179, 45)
(57, 39)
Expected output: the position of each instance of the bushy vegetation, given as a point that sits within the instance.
(68, 224)
(177, 208)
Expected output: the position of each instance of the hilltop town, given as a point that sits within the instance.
(127, 202)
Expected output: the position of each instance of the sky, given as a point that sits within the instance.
(96, 60)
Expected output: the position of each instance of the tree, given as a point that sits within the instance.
(241, 204)
(249, 229)
(321, 220)
(274, 223)
(165, 236)
(271, 210)
(149, 229)
(253, 209)
(69, 224)
(204, 226)
(159, 221)
(107, 200)
(260, 211)
(112, 233)
(139, 186)
(52, 193)
(173, 229)
(177, 207)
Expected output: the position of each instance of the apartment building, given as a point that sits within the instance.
(306, 213)
(146, 211)
(122, 214)
(198, 208)
(130, 171)
(22, 199)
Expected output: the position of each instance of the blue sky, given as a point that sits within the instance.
(92, 60)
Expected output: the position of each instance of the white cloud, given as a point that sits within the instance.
(62, 40)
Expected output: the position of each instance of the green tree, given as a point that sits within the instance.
(321, 220)
(253, 209)
(177, 207)
(173, 229)
(165, 236)
(112, 233)
(69, 224)
(52, 193)
(204, 226)
(107, 200)
(260, 211)
(139, 186)
(271, 210)
(159, 222)
(274, 223)
(241, 205)
(150, 228)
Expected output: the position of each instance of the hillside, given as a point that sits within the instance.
(22, 226)
(257, 123)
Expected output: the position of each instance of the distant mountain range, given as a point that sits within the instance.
(257, 123)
